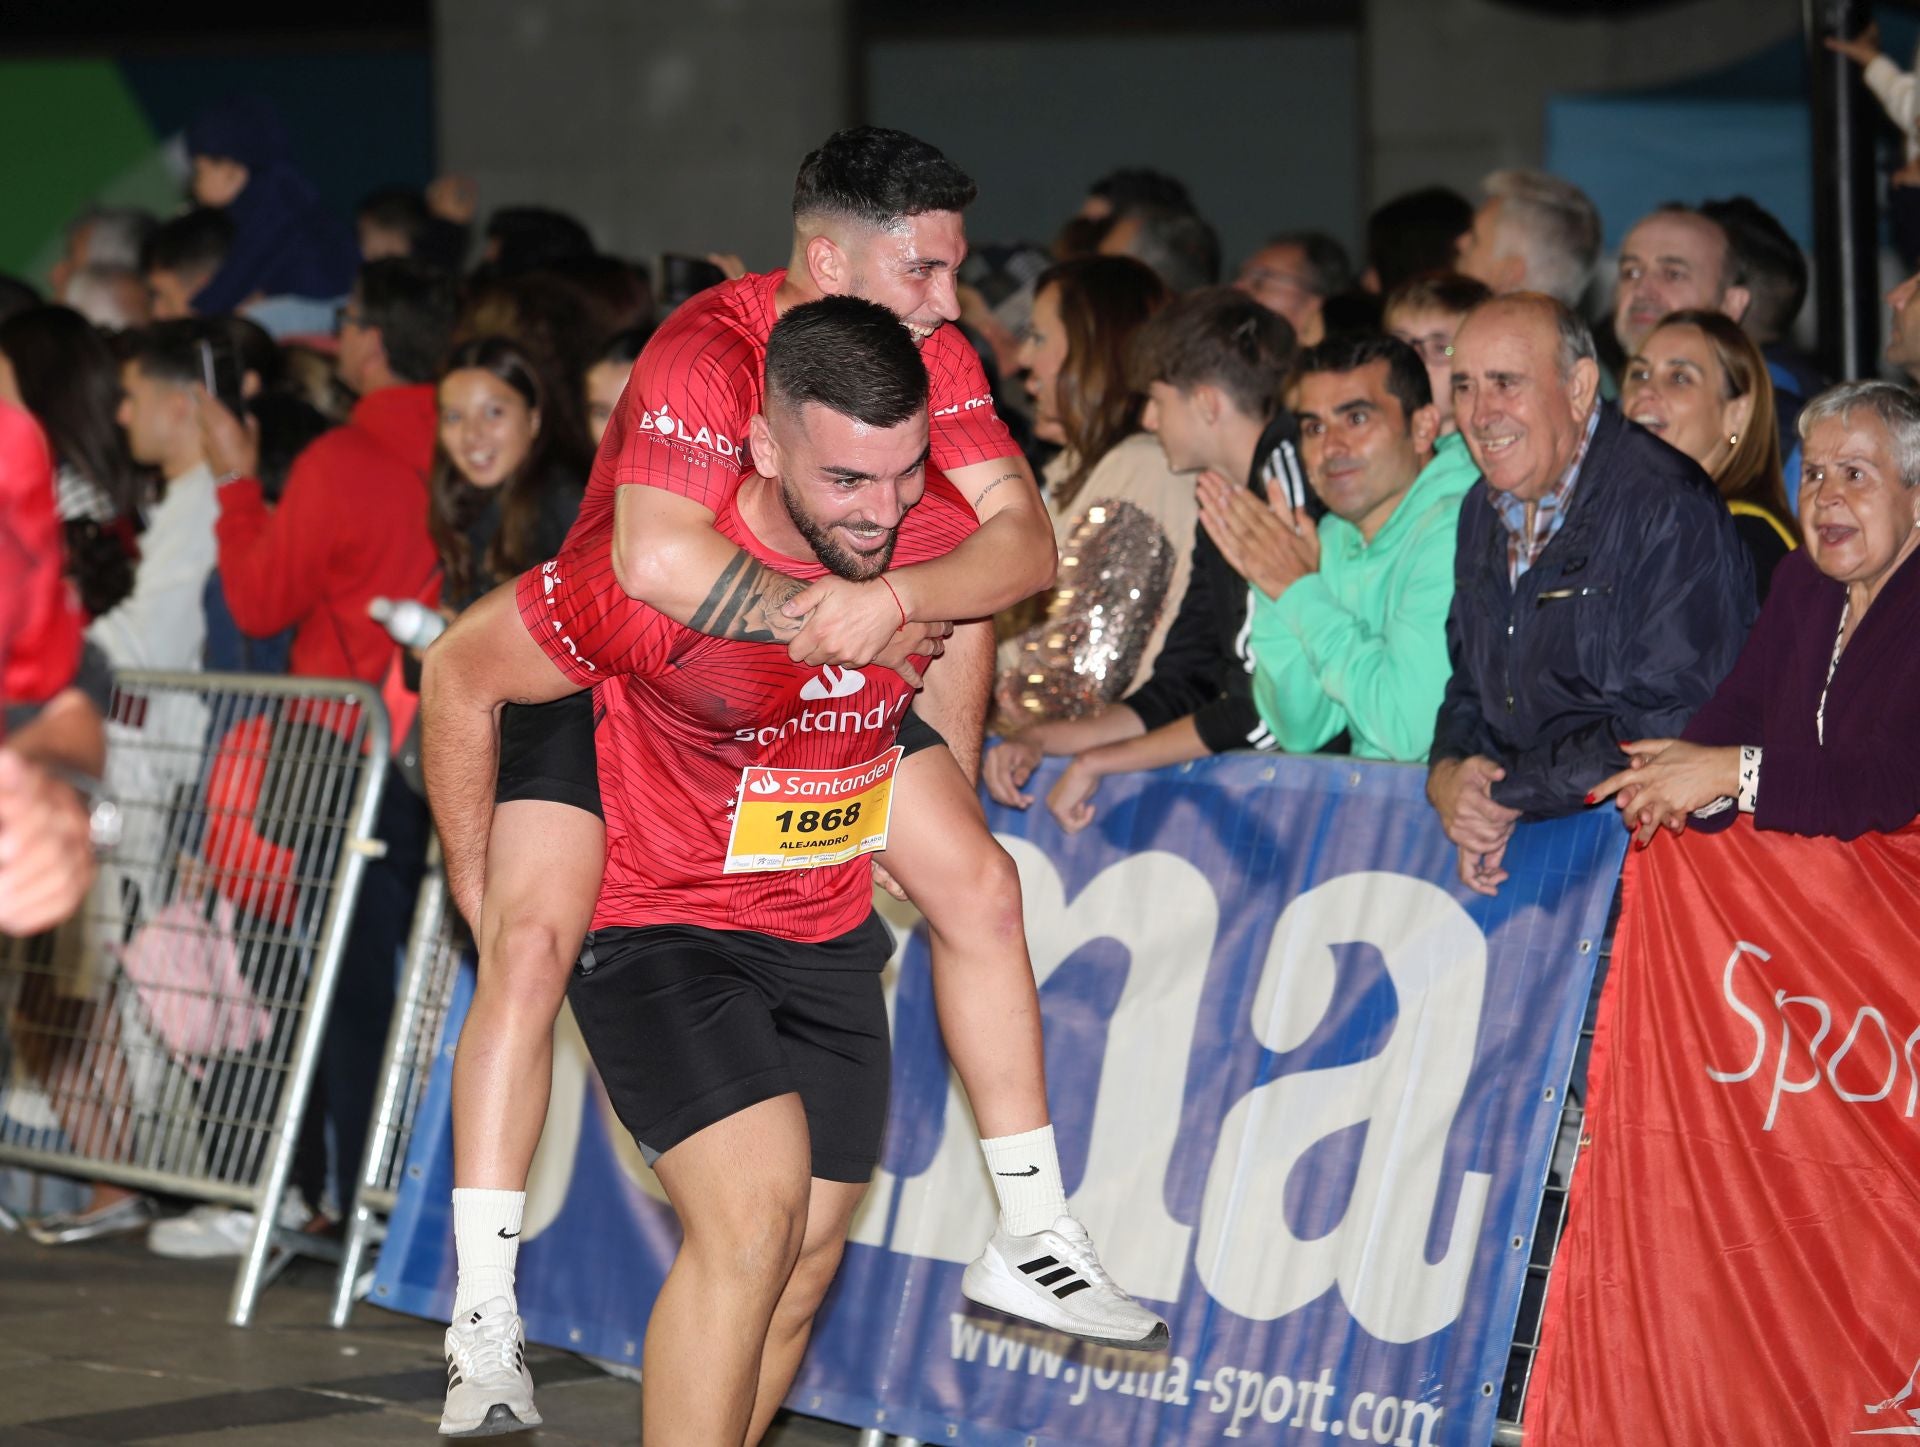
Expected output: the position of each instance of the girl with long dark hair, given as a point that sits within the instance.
(59, 368)
(506, 479)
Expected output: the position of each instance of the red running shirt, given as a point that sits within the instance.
(684, 714)
(682, 422)
(40, 626)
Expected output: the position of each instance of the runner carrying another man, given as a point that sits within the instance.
(730, 985)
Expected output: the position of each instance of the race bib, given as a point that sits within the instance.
(806, 818)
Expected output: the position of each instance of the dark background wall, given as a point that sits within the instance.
(1265, 125)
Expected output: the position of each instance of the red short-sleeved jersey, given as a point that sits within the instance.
(682, 422)
(40, 626)
(684, 714)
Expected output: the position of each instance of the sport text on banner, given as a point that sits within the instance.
(1739, 1262)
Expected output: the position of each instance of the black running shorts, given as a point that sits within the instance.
(546, 752)
(689, 1026)
(917, 734)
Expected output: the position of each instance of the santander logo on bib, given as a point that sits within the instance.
(833, 683)
(675, 429)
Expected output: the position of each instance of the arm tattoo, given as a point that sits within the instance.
(981, 496)
(745, 603)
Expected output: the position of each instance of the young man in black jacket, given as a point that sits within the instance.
(1212, 365)
(1601, 592)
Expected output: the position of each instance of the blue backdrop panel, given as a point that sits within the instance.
(1631, 153)
(1305, 1087)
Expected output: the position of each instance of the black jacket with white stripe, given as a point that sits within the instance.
(1205, 670)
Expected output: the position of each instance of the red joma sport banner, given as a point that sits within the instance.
(1742, 1264)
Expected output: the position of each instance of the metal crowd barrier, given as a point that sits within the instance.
(435, 946)
(1550, 1225)
(166, 1039)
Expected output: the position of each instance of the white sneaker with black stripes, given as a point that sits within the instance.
(1055, 1279)
(489, 1389)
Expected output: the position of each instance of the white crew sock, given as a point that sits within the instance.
(1026, 1178)
(486, 1245)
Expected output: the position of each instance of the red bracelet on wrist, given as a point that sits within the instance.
(896, 600)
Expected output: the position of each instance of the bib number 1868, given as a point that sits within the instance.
(806, 818)
(809, 821)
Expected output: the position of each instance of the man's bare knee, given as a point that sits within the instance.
(527, 960)
(754, 1238)
(807, 1285)
(980, 889)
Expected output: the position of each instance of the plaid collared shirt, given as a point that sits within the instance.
(1524, 549)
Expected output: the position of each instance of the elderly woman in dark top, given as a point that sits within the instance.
(1812, 732)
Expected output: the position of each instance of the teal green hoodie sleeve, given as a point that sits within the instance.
(1286, 687)
(1383, 674)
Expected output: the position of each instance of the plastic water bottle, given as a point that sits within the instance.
(412, 624)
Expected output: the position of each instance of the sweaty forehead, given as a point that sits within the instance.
(938, 236)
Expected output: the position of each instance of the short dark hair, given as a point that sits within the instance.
(532, 238)
(1132, 186)
(170, 351)
(1733, 265)
(193, 243)
(288, 423)
(16, 296)
(1406, 374)
(1776, 269)
(1416, 233)
(254, 346)
(876, 175)
(1181, 247)
(1329, 272)
(398, 208)
(1217, 336)
(623, 348)
(412, 306)
(850, 356)
(1438, 291)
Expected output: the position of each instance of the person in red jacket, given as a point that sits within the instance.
(350, 526)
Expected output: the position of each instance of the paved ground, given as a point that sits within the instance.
(104, 1343)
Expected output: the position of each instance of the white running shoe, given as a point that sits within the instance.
(489, 1389)
(211, 1231)
(1055, 1279)
(64, 1228)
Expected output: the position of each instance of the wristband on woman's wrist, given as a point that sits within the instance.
(1748, 796)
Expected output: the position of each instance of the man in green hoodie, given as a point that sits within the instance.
(1349, 628)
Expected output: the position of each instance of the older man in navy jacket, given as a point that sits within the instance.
(1601, 593)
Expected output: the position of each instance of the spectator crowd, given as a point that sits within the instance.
(1453, 502)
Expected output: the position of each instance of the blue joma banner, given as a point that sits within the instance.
(1305, 1088)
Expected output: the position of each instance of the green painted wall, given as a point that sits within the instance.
(73, 132)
